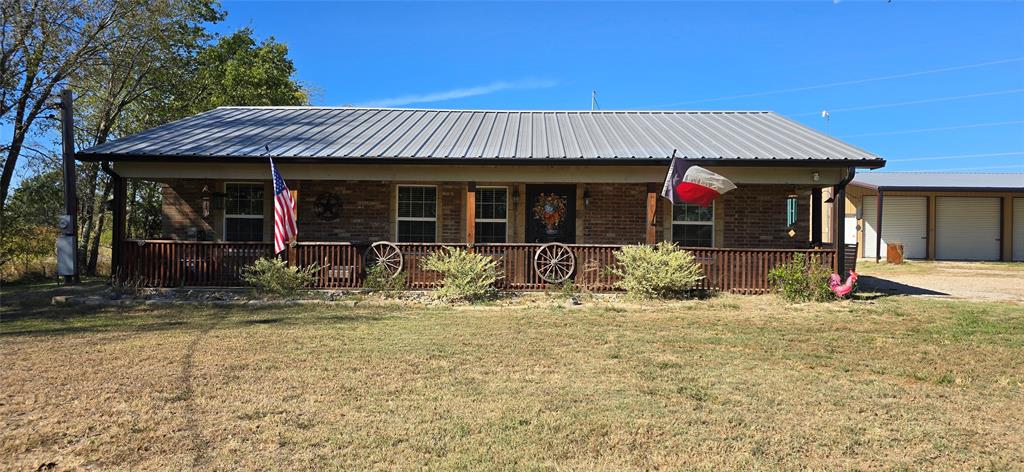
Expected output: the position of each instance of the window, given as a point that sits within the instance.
(791, 210)
(692, 225)
(417, 213)
(491, 214)
(243, 212)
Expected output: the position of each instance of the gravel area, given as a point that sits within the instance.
(964, 280)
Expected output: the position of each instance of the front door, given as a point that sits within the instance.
(551, 213)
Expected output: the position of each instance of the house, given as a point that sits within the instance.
(502, 182)
(938, 215)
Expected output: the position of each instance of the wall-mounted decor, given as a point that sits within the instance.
(550, 208)
(327, 206)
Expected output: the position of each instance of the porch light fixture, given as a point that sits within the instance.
(815, 176)
(214, 198)
(515, 195)
(206, 198)
(586, 198)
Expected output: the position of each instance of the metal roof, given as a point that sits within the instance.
(940, 180)
(346, 132)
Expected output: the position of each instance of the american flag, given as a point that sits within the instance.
(285, 228)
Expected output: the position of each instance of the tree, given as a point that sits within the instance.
(160, 80)
(134, 64)
(29, 232)
(41, 43)
(147, 48)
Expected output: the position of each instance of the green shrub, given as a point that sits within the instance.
(802, 279)
(661, 271)
(378, 279)
(465, 276)
(272, 276)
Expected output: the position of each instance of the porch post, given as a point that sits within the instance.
(816, 217)
(878, 226)
(120, 207)
(839, 226)
(839, 219)
(652, 212)
(470, 213)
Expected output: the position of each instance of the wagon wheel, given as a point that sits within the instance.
(554, 262)
(383, 252)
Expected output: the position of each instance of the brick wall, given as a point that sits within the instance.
(365, 214)
(754, 216)
(617, 214)
(452, 218)
(182, 212)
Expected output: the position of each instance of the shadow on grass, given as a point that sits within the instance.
(26, 298)
(83, 319)
(886, 288)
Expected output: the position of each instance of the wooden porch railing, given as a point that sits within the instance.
(341, 265)
(187, 263)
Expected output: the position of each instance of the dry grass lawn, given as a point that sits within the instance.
(731, 382)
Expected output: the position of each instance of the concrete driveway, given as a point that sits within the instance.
(989, 281)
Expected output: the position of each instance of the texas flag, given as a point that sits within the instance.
(688, 183)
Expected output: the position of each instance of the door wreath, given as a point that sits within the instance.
(550, 209)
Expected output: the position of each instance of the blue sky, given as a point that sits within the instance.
(682, 55)
(954, 70)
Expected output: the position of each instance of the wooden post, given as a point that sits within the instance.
(120, 230)
(839, 225)
(652, 212)
(816, 217)
(470, 213)
(878, 227)
(67, 122)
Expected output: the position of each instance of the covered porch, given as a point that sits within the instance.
(218, 218)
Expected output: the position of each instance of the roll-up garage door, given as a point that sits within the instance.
(904, 219)
(967, 228)
(1018, 229)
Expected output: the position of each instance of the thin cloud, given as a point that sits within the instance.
(494, 87)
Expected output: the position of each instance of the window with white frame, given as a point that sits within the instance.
(491, 214)
(693, 225)
(243, 212)
(417, 213)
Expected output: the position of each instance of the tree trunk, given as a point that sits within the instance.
(88, 206)
(94, 253)
(8, 173)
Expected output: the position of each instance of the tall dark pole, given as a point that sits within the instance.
(839, 220)
(67, 125)
(119, 208)
(816, 217)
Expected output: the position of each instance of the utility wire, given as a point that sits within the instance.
(975, 168)
(942, 128)
(846, 82)
(916, 102)
(958, 156)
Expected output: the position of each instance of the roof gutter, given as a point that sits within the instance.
(544, 161)
(904, 188)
